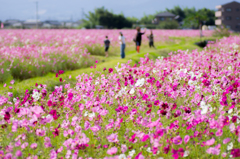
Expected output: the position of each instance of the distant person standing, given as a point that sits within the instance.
(122, 45)
(138, 38)
(151, 41)
(107, 44)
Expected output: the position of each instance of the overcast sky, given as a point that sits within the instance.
(67, 9)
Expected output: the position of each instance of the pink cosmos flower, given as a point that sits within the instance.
(112, 151)
(87, 125)
(213, 150)
(12, 82)
(10, 94)
(224, 154)
(53, 154)
(113, 138)
(40, 132)
(186, 138)
(123, 148)
(18, 143)
(210, 142)
(177, 140)
(225, 141)
(219, 132)
(1, 153)
(47, 142)
(8, 156)
(33, 145)
(18, 153)
(95, 128)
(24, 145)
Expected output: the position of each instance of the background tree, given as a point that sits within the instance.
(173, 24)
(178, 11)
(195, 19)
(147, 19)
(102, 16)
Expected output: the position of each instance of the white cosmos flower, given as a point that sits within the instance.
(192, 83)
(186, 153)
(230, 146)
(11, 119)
(122, 156)
(205, 107)
(235, 46)
(144, 90)
(149, 150)
(85, 114)
(14, 100)
(132, 91)
(140, 82)
(36, 95)
(91, 115)
(131, 153)
(191, 74)
(154, 70)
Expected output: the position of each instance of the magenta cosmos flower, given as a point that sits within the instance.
(110, 70)
(177, 140)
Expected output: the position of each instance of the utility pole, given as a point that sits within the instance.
(82, 13)
(37, 14)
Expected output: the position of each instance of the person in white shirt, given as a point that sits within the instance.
(122, 44)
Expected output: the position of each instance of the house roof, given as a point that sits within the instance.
(52, 22)
(32, 21)
(230, 3)
(165, 14)
(12, 21)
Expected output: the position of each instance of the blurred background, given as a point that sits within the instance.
(124, 14)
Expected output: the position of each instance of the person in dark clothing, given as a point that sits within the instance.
(107, 44)
(138, 38)
(151, 41)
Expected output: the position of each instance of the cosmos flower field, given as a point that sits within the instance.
(182, 106)
(26, 54)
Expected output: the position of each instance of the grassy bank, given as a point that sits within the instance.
(163, 48)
